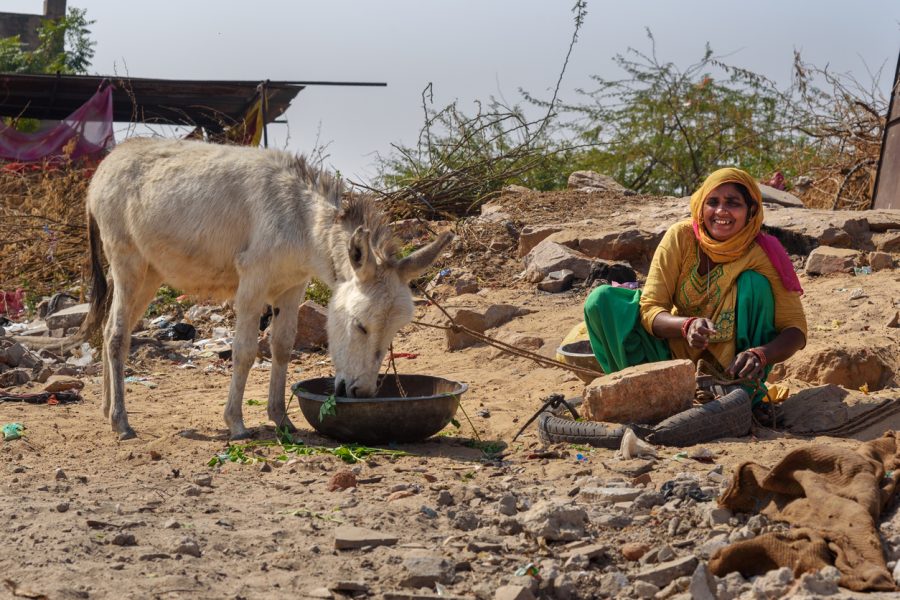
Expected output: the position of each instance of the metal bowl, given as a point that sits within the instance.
(425, 407)
(579, 354)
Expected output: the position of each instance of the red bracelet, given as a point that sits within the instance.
(758, 352)
(686, 325)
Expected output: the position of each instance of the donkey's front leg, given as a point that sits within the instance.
(281, 340)
(243, 352)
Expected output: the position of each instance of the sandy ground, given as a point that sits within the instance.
(87, 516)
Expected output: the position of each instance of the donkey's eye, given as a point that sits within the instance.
(361, 328)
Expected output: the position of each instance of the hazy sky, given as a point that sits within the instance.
(468, 49)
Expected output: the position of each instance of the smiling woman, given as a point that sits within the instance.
(718, 289)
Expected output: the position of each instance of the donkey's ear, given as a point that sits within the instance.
(418, 262)
(362, 258)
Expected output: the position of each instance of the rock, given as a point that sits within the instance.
(15, 377)
(825, 260)
(594, 181)
(530, 237)
(664, 389)
(780, 197)
(62, 507)
(352, 587)
(880, 261)
(507, 505)
(445, 498)
(187, 546)
(634, 550)
(202, 479)
(341, 480)
(707, 549)
(703, 584)
(650, 499)
(311, 332)
(847, 367)
(515, 189)
(60, 475)
(549, 256)
(347, 537)
(68, 317)
(322, 593)
(801, 230)
(494, 213)
(557, 281)
(717, 516)
(620, 243)
(610, 494)
(513, 592)
(823, 583)
(664, 573)
(613, 521)
(473, 312)
(123, 539)
(465, 521)
(424, 569)
(557, 521)
(887, 242)
(13, 355)
(644, 589)
(59, 383)
(584, 554)
(613, 583)
(773, 584)
(732, 586)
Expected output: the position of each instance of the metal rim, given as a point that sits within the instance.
(457, 391)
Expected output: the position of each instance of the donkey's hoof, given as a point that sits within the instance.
(128, 434)
(245, 434)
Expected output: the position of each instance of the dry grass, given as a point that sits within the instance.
(43, 246)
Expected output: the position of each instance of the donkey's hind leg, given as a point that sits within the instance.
(133, 287)
(248, 306)
(284, 332)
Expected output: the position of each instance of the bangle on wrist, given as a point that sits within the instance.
(761, 355)
(686, 325)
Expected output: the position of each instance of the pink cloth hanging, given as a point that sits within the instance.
(86, 132)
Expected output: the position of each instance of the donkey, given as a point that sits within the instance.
(252, 225)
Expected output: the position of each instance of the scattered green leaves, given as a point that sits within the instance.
(349, 453)
(254, 402)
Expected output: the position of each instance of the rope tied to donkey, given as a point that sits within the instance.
(503, 346)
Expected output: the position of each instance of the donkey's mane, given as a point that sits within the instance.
(320, 180)
(361, 210)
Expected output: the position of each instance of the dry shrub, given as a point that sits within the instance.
(43, 247)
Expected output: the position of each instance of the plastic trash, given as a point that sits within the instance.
(12, 431)
(82, 356)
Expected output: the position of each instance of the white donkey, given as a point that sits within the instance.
(253, 225)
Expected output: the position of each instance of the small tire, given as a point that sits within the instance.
(553, 429)
(728, 416)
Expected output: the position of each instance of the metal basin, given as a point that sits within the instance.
(428, 405)
(579, 354)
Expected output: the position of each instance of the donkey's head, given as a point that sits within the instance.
(367, 309)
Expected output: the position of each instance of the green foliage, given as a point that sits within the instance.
(328, 408)
(661, 129)
(164, 302)
(64, 46)
(318, 292)
(349, 453)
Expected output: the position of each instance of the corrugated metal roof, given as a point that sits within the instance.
(209, 104)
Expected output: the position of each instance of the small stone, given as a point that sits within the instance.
(155, 455)
(718, 516)
(663, 574)
(123, 539)
(507, 505)
(202, 479)
(445, 498)
(350, 538)
(612, 583)
(62, 507)
(610, 494)
(192, 490)
(513, 592)
(425, 569)
(342, 480)
(703, 584)
(265, 467)
(60, 475)
(665, 554)
(634, 550)
(171, 524)
(188, 547)
(645, 589)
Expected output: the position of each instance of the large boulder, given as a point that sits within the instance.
(645, 393)
(473, 312)
(530, 237)
(825, 260)
(549, 256)
(311, 331)
(590, 180)
(72, 316)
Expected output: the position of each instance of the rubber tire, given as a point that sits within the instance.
(553, 429)
(728, 416)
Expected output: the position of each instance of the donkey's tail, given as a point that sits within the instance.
(100, 289)
(100, 297)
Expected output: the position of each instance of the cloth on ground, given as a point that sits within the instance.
(832, 497)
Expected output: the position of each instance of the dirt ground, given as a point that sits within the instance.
(87, 516)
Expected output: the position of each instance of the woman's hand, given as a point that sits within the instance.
(698, 332)
(746, 365)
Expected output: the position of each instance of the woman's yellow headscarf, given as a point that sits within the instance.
(731, 249)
